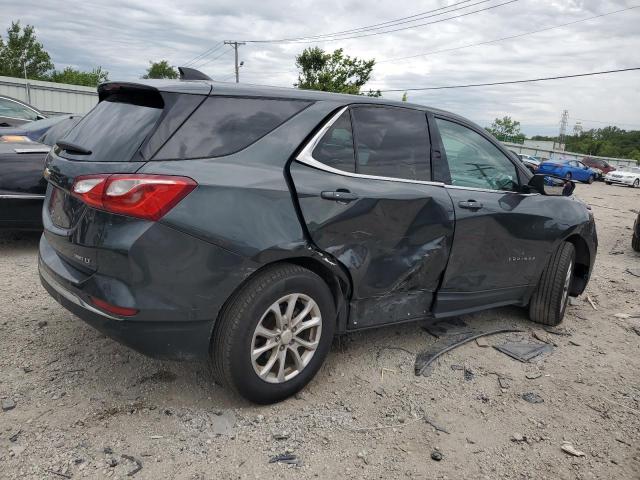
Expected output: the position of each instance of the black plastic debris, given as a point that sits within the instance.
(523, 351)
(468, 374)
(436, 455)
(288, 458)
(447, 343)
(532, 397)
(447, 327)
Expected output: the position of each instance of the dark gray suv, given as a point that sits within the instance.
(248, 225)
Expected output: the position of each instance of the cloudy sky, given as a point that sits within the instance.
(123, 36)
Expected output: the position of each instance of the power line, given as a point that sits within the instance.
(433, 52)
(304, 39)
(510, 82)
(214, 59)
(397, 21)
(213, 49)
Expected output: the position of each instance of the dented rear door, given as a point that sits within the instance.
(393, 235)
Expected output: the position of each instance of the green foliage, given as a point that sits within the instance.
(20, 48)
(506, 129)
(333, 72)
(161, 69)
(77, 77)
(606, 142)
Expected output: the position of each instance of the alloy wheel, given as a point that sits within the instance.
(286, 338)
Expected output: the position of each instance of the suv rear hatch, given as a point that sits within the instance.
(129, 124)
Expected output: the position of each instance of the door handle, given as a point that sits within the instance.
(470, 205)
(339, 196)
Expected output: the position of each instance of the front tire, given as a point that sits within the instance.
(608, 183)
(590, 181)
(274, 334)
(636, 184)
(635, 243)
(550, 299)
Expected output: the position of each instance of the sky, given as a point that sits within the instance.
(123, 36)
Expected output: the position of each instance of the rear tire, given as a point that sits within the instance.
(249, 324)
(568, 176)
(636, 184)
(550, 299)
(635, 243)
(608, 183)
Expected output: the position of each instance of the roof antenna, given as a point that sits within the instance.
(192, 74)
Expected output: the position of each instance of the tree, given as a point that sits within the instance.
(506, 129)
(77, 77)
(161, 69)
(21, 50)
(333, 72)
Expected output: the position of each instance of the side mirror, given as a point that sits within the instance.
(552, 186)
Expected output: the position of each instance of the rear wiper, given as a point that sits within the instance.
(72, 147)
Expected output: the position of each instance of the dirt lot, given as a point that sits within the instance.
(86, 406)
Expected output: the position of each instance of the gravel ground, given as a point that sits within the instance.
(80, 405)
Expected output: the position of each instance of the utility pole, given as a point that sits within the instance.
(235, 46)
(564, 120)
(26, 80)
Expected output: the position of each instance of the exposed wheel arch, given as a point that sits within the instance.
(583, 262)
(336, 277)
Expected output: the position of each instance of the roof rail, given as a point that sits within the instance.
(192, 74)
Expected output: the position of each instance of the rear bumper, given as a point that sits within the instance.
(178, 340)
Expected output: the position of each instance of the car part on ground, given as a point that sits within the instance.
(182, 216)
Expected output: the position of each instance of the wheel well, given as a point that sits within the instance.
(340, 288)
(583, 262)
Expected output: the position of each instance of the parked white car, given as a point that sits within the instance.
(625, 176)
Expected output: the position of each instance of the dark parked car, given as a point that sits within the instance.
(602, 165)
(13, 112)
(22, 187)
(248, 225)
(569, 169)
(34, 131)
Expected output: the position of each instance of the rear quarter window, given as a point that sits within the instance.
(225, 125)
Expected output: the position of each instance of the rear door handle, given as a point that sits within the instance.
(339, 196)
(470, 205)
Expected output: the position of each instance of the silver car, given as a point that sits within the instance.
(629, 176)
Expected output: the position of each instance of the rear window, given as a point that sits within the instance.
(115, 129)
(225, 125)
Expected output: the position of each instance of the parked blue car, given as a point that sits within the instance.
(569, 169)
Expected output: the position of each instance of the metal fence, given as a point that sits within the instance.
(50, 97)
(545, 154)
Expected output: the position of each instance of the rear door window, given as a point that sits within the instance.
(115, 129)
(474, 161)
(392, 142)
(335, 148)
(9, 108)
(225, 125)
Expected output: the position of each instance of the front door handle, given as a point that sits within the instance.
(339, 196)
(470, 205)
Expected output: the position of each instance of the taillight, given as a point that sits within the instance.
(107, 307)
(142, 196)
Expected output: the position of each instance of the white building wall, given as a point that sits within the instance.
(50, 97)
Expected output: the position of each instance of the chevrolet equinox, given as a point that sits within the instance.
(247, 225)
